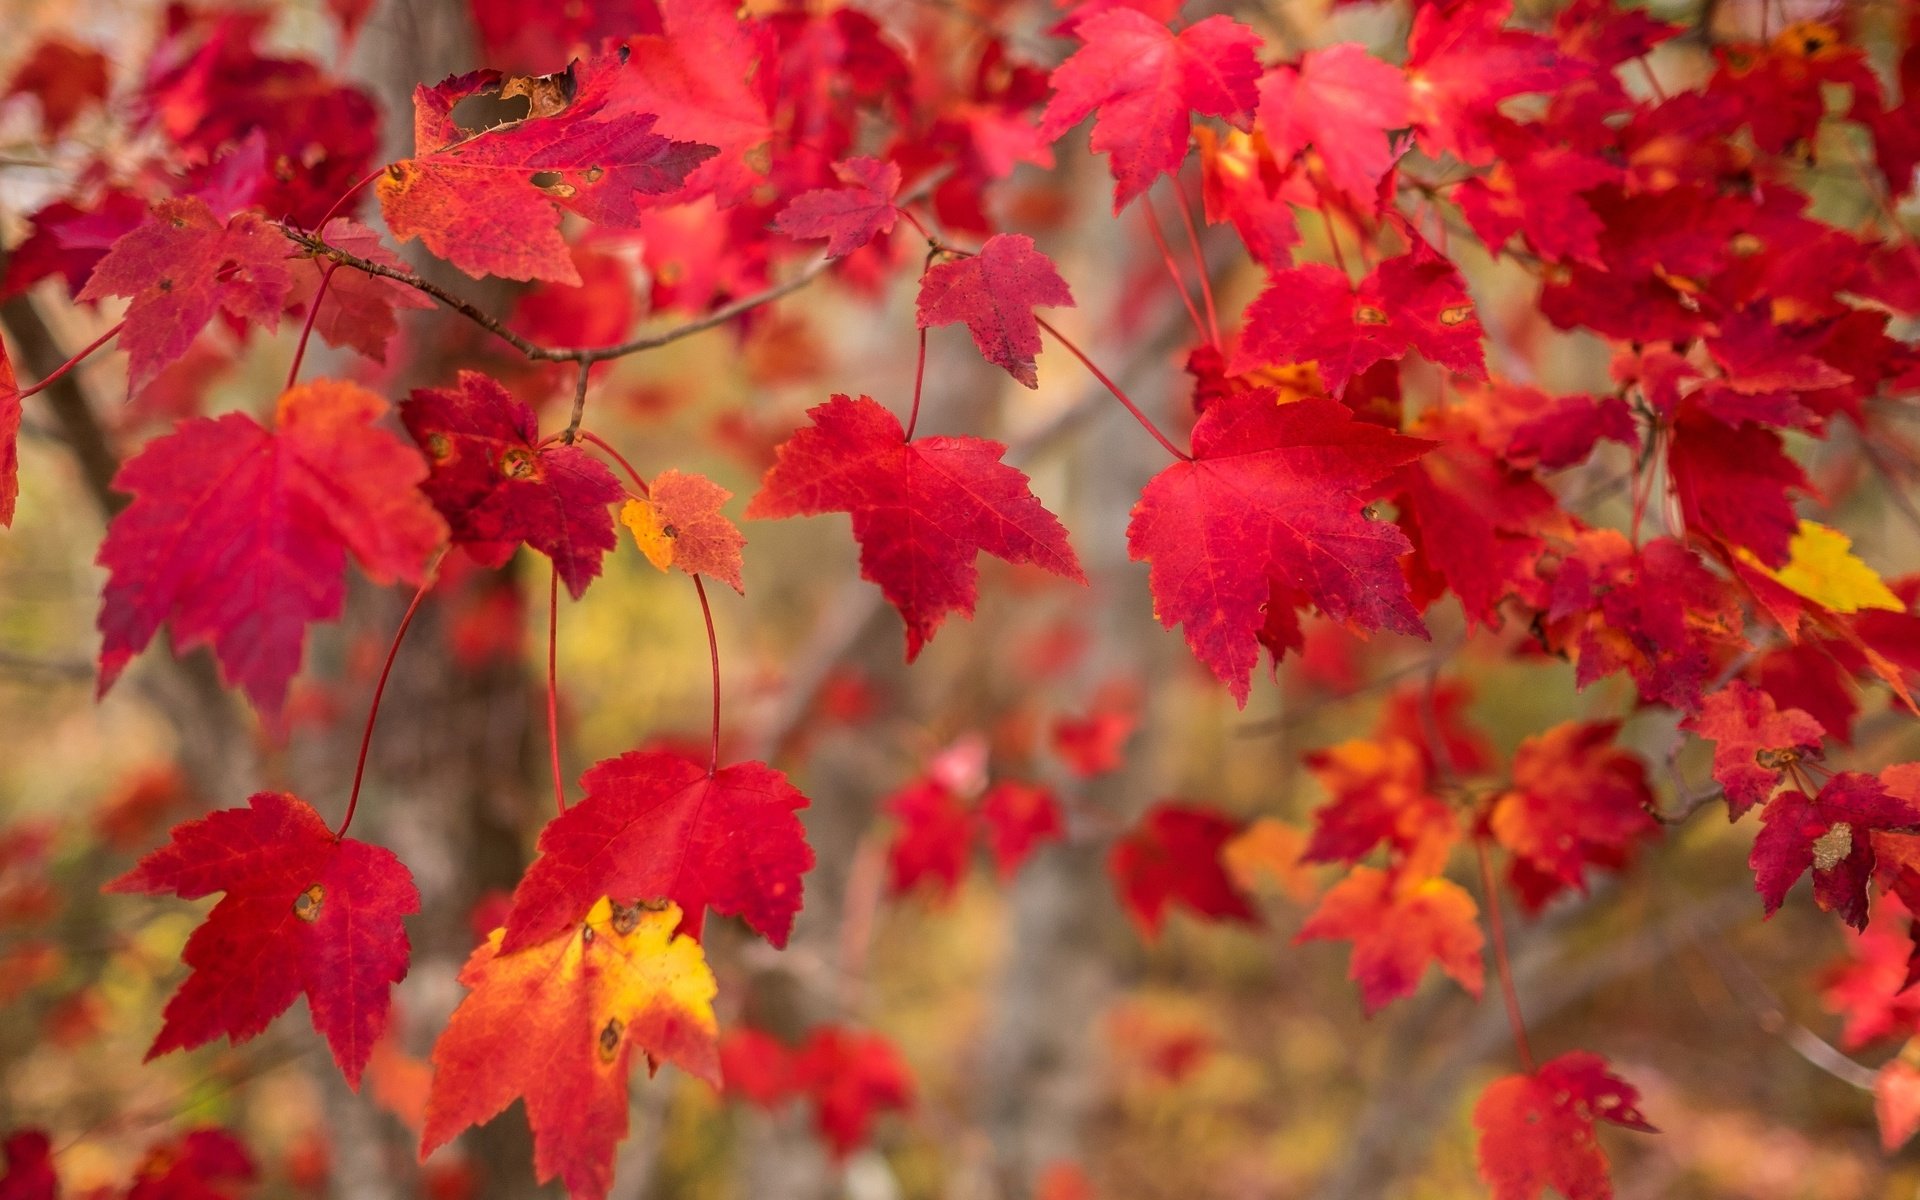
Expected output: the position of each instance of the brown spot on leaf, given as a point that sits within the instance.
(610, 1038)
(306, 905)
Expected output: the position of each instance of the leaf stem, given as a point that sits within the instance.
(594, 439)
(306, 330)
(713, 656)
(1199, 259)
(553, 690)
(54, 375)
(1114, 388)
(380, 689)
(1503, 965)
(1173, 268)
(321, 229)
(919, 377)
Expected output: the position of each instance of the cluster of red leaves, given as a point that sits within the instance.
(1676, 227)
(201, 1164)
(847, 1077)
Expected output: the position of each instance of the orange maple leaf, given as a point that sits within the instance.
(557, 1024)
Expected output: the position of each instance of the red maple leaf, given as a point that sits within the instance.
(1656, 613)
(848, 217)
(656, 825)
(304, 911)
(203, 1164)
(1172, 857)
(849, 1077)
(1754, 742)
(1345, 103)
(929, 847)
(1399, 924)
(1313, 314)
(1016, 819)
(1475, 522)
(757, 1066)
(1380, 793)
(921, 510)
(703, 74)
(1829, 835)
(237, 535)
(995, 293)
(1735, 484)
(1576, 802)
(1536, 1131)
(180, 267)
(490, 202)
(1145, 80)
(1461, 63)
(358, 308)
(1872, 990)
(498, 486)
(852, 1077)
(1272, 496)
(65, 78)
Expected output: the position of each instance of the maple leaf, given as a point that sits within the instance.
(1311, 313)
(995, 293)
(1398, 924)
(1145, 80)
(930, 845)
(1379, 790)
(557, 1024)
(703, 74)
(237, 535)
(65, 78)
(1872, 990)
(358, 308)
(656, 824)
(10, 413)
(1575, 802)
(848, 217)
(498, 486)
(304, 911)
(1821, 567)
(1735, 484)
(921, 510)
(1655, 612)
(680, 524)
(181, 266)
(1475, 523)
(1172, 857)
(1271, 496)
(1017, 819)
(490, 202)
(852, 1077)
(1829, 835)
(1536, 1131)
(1343, 102)
(756, 1065)
(1461, 63)
(1755, 741)
(203, 1164)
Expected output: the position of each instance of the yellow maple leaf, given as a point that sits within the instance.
(643, 518)
(1822, 567)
